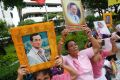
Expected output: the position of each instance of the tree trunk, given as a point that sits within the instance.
(20, 13)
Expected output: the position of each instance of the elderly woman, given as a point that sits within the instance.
(79, 60)
(98, 59)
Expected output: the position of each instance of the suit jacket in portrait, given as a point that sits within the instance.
(74, 18)
(34, 58)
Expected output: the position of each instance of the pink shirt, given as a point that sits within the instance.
(64, 76)
(97, 67)
(85, 68)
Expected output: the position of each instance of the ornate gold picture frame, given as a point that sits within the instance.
(107, 17)
(73, 13)
(22, 42)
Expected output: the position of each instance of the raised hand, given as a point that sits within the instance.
(58, 61)
(65, 32)
(21, 72)
(87, 30)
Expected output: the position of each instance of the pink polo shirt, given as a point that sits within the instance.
(97, 67)
(85, 68)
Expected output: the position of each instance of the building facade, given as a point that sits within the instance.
(36, 12)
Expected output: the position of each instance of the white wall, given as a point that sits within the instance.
(36, 19)
(41, 10)
(15, 18)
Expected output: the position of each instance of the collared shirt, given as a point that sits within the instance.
(34, 58)
(84, 56)
(74, 18)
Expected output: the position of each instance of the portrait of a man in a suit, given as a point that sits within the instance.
(36, 55)
(73, 13)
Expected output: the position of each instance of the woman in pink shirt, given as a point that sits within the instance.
(98, 60)
(79, 60)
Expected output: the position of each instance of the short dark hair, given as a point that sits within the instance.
(71, 4)
(66, 44)
(44, 72)
(31, 36)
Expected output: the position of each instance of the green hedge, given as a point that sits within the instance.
(11, 56)
(9, 72)
(7, 66)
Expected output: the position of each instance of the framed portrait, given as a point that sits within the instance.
(73, 14)
(35, 45)
(107, 17)
(101, 28)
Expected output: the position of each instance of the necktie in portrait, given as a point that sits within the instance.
(76, 20)
(42, 56)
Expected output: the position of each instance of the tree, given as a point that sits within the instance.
(97, 5)
(11, 3)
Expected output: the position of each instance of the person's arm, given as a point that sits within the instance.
(73, 73)
(114, 47)
(59, 62)
(95, 44)
(62, 40)
(21, 72)
(86, 44)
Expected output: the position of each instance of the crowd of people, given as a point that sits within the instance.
(86, 64)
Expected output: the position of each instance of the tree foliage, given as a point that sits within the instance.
(97, 5)
(4, 34)
(3, 29)
(12, 3)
